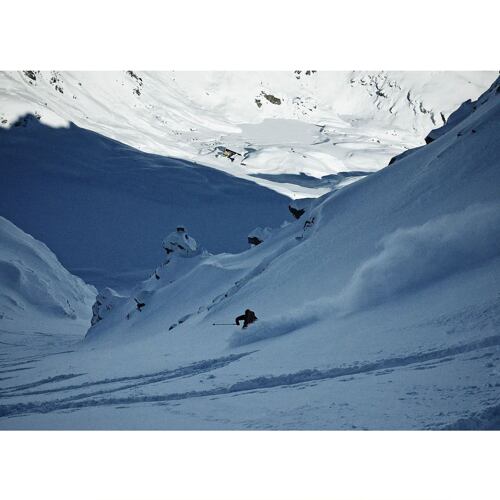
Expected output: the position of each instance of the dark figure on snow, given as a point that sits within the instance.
(296, 212)
(309, 223)
(253, 240)
(248, 318)
(139, 305)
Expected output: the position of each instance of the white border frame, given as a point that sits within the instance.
(260, 35)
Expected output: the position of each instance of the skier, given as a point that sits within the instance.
(180, 243)
(248, 318)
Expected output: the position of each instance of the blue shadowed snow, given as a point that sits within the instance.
(383, 314)
(104, 207)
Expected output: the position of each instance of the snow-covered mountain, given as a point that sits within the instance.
(36, 291)
(68, 183)
(315, 123)
(378, 308)
(104, 207)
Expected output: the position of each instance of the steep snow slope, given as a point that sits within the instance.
(441, 191)
(35, 289)
(383, 313)
(317, 123)
(104, 207)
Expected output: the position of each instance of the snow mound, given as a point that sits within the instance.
(106, 300)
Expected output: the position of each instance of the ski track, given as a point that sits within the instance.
(19, 363)
(49, 380)
(16, 369)
(143, 379)
(265, 382)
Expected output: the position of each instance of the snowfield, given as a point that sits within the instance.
(379, 308)
(315, 123)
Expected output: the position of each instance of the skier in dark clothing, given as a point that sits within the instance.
(248, 318)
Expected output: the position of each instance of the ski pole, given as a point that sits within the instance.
(223, 324)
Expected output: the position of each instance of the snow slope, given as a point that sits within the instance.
(36, 292)
(317, 123)
(105, 207)
(383, 313)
